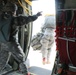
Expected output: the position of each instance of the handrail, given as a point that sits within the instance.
(69, 39)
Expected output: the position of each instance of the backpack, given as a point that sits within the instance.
(35, 42)
(5, 27)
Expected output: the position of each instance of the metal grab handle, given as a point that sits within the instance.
(68, 39)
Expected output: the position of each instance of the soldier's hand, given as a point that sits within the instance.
(39, 13)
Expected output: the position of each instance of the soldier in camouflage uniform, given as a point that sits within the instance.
(13, 46)
(48, 38)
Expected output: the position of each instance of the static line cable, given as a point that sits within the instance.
(29, 2)
(25, 8)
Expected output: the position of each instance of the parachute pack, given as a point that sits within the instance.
(5, 26)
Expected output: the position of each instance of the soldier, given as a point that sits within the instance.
(48, 38)
(12, 45)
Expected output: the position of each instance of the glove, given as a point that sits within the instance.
(39, 13)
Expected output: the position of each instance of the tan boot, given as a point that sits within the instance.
(29, 73)
(48, 62)
(44, 61)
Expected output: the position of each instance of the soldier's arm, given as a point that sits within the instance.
(22, 20)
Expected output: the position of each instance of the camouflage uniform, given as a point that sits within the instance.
(13, 46)
(48, 38)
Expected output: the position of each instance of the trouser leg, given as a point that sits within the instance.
(44, 48)
(44, 51)
(18, 54)
(48, 54)
(3, 58)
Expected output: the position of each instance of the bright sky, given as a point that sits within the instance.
(47, 7)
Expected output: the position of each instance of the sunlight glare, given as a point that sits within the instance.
(47, 7)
